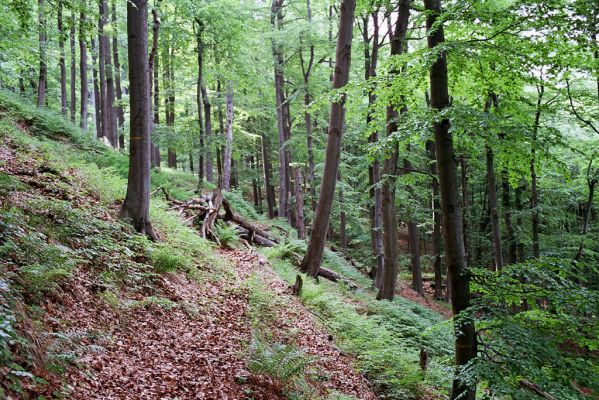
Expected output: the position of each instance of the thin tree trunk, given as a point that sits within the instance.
(276, 15)
(43, 72)
(208, 134)
(154, 76)
(199, 31)
(221, 130)
(97, 96)
(389, 215)
(436, 235)
(299, 205)
(312, 259)
(534, 200)
(83, 70)
(61, 61)
(120, 112)
(413, 240)
(228, 139)
(493, 209)
(170, 103)
(465, 344)
(137, 201)
(110, 95)
(591, 182)
(267, 168)
(342, 217)
(507, 216)
(519, 222)
(73, 104)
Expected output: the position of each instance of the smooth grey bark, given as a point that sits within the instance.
(97, 101)
(208, 133)
(465, 343)
(276, 20)
(228, 138)
(436, 234)
(199, 31)
(154, 88)
(120, 112)
(312, 259)
(342, 216)
(534, 199)
(299, 205)
(413, 239)
(61, 60)
(389, 214)
(73, 85)
(84, 95)
(137, 201)
(43, 70)
(267, 168)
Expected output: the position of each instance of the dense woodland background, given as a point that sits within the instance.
(452, 145)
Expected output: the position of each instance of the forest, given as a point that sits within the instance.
(299, 199)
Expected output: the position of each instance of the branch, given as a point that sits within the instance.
(575, 112)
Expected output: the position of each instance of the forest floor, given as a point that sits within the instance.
(91, 310)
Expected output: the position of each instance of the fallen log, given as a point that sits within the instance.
(253, 237)
(335, 277)
(230, 215)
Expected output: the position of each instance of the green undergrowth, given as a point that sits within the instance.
(61, 228)
(384, 337)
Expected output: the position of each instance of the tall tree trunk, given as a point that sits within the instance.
(507, 216)
(534, 200)
(96, 92)
(389, 216)
(154, 83)
(267, 168)
(493, 209)
(312, 259)
(591, 182)
(519, 222)
(137, 201)
(342, 216)
(228, 139)
(120, 112)
(277, 15)
(413, 239)
(106, 79)
(61, 61)
(43, 72)
(374, 170)
(208, 133)
(436, 234)
(199, 31)
(299, 205)
(306, 72)
(169, 102)
(83, 69)
(465, 344)
(73, 104)
(221, 130)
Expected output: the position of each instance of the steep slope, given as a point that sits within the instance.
(90, 309)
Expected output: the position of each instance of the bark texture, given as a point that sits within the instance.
(137, 201)
(312, 259)
(465, 344)
(228, 139)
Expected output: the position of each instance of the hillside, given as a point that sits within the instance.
(90, 309)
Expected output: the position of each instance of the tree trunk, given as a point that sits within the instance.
(170, 102)
(106, 79)
(436, 235)
(342, 217)
(61, 61)
(200, 81)
(534, 200)
(413, 239)
(97, 98)
(208, 134)
(83, 71)
(389, 216)
(591, 182)
(306, 72)
(299, 205)
(73, 104)
(507, 217)
(221, 130)
(519, 222)
(493, 209)
(312, 259)
(120, 112)
(137, 201)
(276, 17)
(43, 72)
(465, 344)
(228, 139)
(267, 168)
(154, 75)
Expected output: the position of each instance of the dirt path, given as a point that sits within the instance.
(192, 348)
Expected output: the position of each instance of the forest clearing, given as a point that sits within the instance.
(299, 199)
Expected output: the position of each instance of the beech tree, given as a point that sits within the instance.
(312, 259)
(137, 201)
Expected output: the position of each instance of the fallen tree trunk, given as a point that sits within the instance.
(231, 216)
(335, 277)
(212, 214)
